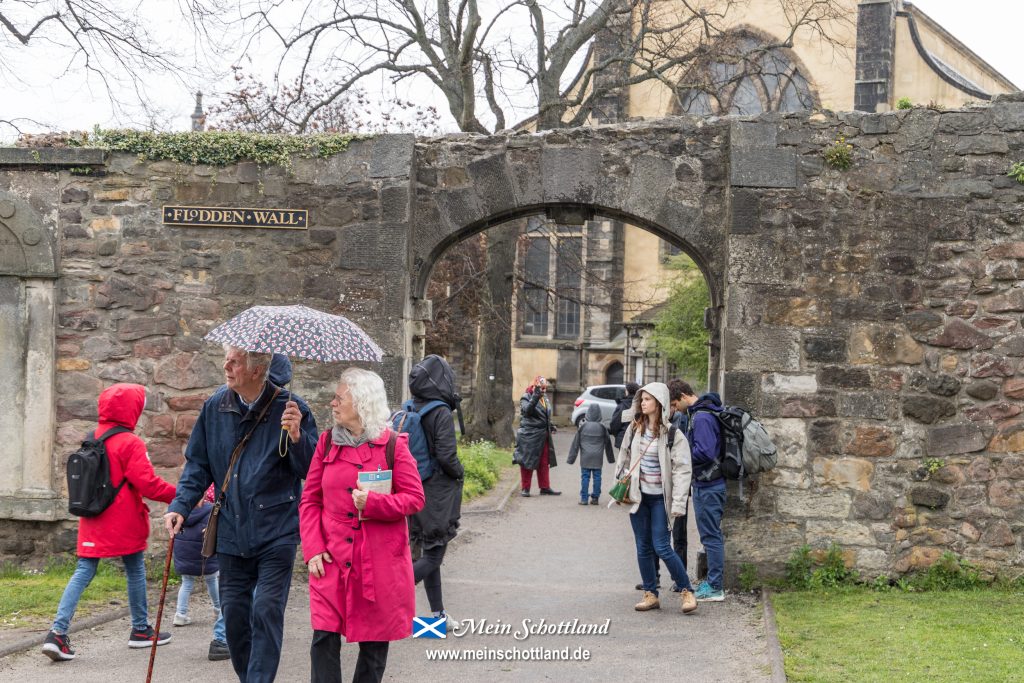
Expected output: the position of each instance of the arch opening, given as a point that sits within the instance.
(571, 312)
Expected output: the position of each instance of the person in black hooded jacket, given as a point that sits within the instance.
(432, 379)
(618, 425)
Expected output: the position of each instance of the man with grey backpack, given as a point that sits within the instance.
(704, 432)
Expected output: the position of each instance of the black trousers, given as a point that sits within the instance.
(428, 570)
(325, 659)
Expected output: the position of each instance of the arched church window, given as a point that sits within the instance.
(747, 99)
(745, 78)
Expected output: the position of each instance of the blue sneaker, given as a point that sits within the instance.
(705, 593)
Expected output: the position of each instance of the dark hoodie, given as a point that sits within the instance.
(705, 439)
(280, 372)
(432, 379)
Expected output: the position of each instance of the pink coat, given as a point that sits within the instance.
(367, 592)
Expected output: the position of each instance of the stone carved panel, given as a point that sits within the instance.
(27, 248)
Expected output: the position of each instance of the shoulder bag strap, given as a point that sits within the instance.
(241, 447)
(630, 449)
(102, 439)
(389, 450)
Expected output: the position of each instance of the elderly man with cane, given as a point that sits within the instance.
(235, 445)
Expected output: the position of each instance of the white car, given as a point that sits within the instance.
(607, 396)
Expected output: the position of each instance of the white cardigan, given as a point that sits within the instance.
(677, 486)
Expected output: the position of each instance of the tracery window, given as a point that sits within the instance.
(744, 77)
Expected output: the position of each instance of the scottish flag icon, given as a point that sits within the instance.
(429, 627)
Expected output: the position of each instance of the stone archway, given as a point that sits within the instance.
(667, 178)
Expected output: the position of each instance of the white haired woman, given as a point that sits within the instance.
(356, 543)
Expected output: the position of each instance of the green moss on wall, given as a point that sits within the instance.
(218, 148)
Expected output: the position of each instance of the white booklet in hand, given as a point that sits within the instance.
(378, 482)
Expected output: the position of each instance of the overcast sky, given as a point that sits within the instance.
(38, 88)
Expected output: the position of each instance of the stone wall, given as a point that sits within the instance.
(872, 316)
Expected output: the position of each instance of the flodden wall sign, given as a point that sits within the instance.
(229, 217)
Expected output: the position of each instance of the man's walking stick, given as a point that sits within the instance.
(160, 610)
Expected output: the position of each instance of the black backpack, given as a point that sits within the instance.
(90, 490)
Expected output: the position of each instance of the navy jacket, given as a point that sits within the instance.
(705, 434)
(261, 509)
(188, 545)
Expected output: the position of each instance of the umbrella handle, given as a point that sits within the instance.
(282, 442)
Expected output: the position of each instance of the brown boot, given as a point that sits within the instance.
(649, 602)
(689, 601)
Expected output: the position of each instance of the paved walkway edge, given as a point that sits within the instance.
(771, 630)
(500, 507)
(91, 622)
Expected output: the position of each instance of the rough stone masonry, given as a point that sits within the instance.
(872, 317)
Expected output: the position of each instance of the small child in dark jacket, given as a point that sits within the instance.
(188, 562)
(592, 439)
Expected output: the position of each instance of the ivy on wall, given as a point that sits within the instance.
(217, 148)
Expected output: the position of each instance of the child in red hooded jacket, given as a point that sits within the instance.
(122, 529)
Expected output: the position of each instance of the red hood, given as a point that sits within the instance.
(122, 405)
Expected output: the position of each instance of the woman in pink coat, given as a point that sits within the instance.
(356, 543)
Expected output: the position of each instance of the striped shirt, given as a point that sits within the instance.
(650, 466)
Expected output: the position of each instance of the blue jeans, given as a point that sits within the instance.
(653, 540)
(709, 505)
(585, 475)
(135, 571)
(213, 589)
(254, 623)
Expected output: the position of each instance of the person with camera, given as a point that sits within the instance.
(535, 449)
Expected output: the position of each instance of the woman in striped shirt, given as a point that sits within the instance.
(657, 456)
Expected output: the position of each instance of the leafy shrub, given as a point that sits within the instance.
(679, 331)
(803, 571)
(839, 155)
(798, 567)
(833, 571)
(948, 573)
(482, 461)
(217, 148)
(881, 583)
(904, 103)
(1017, 172)
(748, 578)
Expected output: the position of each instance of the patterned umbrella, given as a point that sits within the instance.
(297, 331)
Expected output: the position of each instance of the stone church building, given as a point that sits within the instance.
(888, 50)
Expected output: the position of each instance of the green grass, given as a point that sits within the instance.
(29, 599)
(483, 462)
(856, 634)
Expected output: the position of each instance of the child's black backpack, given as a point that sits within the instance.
(90, 490)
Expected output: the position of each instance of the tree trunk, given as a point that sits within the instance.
(493, 405)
